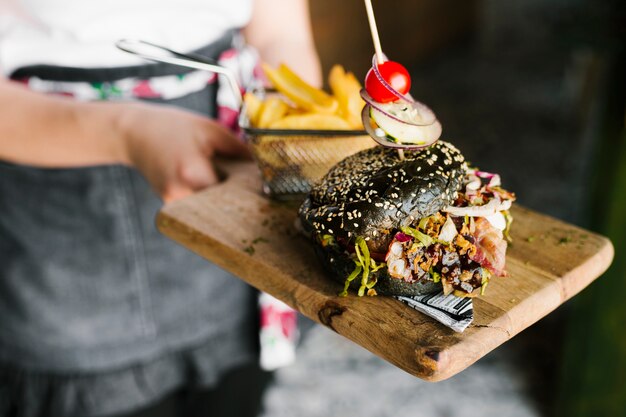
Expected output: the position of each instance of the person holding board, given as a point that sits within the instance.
(99, 313)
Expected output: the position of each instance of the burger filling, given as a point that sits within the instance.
(462, 246)
(460, 252)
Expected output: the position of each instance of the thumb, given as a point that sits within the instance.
(194, 174)
(197, 172)
(175, 192)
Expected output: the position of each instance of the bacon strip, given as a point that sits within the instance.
(491, 247)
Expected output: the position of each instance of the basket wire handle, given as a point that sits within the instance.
(158, 53)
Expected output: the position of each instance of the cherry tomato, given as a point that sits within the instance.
(396, 76)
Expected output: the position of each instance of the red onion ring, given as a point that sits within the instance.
(383, 140)
(385, 83)
(421, 109)
(494, 179)
(484, 174)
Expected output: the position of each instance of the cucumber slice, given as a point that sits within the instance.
(406, 132)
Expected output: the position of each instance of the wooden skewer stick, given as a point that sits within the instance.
(377, 47)
(374, 30)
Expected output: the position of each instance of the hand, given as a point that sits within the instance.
(173, 148)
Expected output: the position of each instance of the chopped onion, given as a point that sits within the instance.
(473, 184)
(401, 237)
(448, 231)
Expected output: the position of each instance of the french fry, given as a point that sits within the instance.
(304, 107)
(311, 121)
(297, 90)
(346, 88)
(253, 107)
(271, 110)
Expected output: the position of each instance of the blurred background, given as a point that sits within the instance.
(534, 90)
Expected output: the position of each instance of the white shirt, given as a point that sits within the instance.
(81, 33)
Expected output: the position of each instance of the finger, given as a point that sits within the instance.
(197, 172)
(174, 193)
(191, 178)
(226, 143)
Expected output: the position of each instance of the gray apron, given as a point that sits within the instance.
(98, 311)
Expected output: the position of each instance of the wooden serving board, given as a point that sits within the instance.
(236, 227)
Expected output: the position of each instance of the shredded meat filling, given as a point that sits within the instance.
(453, 263)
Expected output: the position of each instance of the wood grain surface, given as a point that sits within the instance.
(236, 227)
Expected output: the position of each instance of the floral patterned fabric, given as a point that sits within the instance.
(241, 59)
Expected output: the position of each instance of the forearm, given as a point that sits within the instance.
(56, 132)
(302, 59)
(281, 31)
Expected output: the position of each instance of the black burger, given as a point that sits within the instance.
(392, 224)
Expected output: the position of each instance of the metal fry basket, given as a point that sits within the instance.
(291, 161)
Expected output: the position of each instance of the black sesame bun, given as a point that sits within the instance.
(371, 194)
